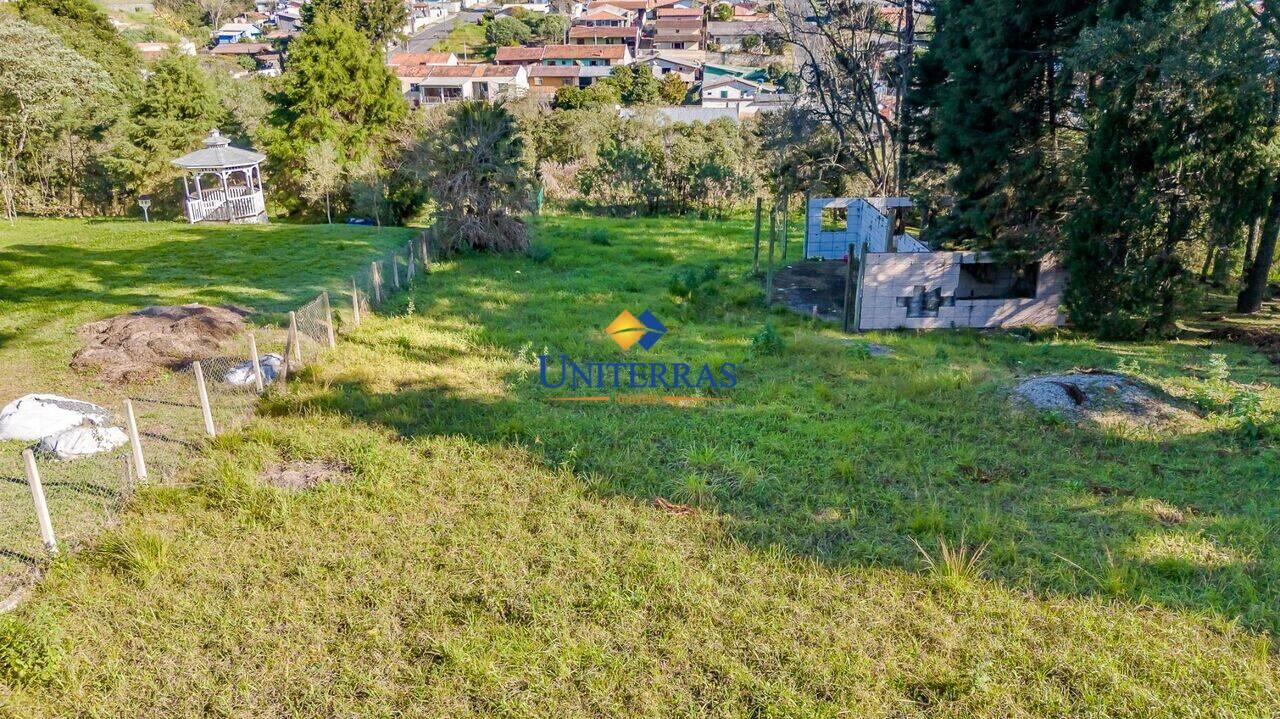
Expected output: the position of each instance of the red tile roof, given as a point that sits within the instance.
(584, 52)
(419, 58)
(518, 54)
(667, 12)
(582, 31)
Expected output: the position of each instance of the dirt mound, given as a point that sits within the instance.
(1101, 397)
(135, 345)
(304, 474)
(1265, 340)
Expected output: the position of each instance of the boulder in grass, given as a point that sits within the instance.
(82, 441)
(242, 374)
(36, 416)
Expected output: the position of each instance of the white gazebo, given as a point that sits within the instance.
(226, 180)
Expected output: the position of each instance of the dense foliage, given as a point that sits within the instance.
(1132, 136)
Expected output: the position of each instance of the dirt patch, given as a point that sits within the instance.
(1266, 341)
(135, 345)
(1103, 398)
(302, 474)
(805, 284)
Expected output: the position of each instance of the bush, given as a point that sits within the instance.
(767, 341)
(539, 252)
(599, 236)
(27, 653)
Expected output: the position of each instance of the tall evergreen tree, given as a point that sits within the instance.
(1174, 119)
(995, 97)
(336, 88)
(178, 106)
(382, 21)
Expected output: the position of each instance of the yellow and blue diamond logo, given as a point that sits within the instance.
(626, 329)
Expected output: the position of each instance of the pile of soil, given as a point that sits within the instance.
(135, 345)
(304, 474)
(1266, 341)
(812, 282)
(1102, 397)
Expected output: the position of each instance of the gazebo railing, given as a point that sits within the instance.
(225, 205)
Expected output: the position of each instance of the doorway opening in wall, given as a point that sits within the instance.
(997, 281)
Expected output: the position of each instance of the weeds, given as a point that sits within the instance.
(28, 655)
(767, 341)
(955, 566)
(136, 554)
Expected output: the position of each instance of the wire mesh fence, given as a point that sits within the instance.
(174, 414)
(388, 275)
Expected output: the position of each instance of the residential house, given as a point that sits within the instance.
(583, 35)
(436, 84)
(713, 72)
(289, 20)
(583, 55)
(268, 59)
(685, 63)
(409, 59)
(727, 36)
(678, 34)
(607, 16)
(730, 92)
(237, 32)
(677, 12)
(544, 80)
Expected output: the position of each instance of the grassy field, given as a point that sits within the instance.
(56, 275)
(468, 41)
(487, 550)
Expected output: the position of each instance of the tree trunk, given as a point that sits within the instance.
(328, 215)
(1255, 280)
(1249, 245)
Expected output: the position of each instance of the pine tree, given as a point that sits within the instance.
(178, 107)
(336, 88)
(995, 98)
(1174, 119)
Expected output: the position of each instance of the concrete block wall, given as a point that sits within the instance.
(888, 277)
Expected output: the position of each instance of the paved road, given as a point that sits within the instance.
(427, 39)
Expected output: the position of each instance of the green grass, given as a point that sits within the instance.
(468, 41)
(56, 275)
(869, 536)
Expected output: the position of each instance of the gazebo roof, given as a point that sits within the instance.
(218, 154)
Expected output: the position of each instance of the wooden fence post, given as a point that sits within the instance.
(258, 382)
(328, 320)
(139, 464)
(768, 281)
(848, 291)
(375, 276)
(755, 259)
(293, 336)
(355, 302)
(786, 224)
(411, 264)
(395, 270)
(203, 393)
(857, 288)
(37, 497)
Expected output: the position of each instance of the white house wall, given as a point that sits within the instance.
(888, 280)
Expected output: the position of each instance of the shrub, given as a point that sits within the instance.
(138, 555)
(27, 653)
(599, 236)
(767, 341)
(539, 252)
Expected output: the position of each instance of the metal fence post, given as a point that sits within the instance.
(848, 291)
